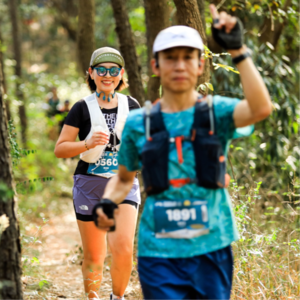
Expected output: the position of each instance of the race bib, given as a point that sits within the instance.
(107, 165)
(183, 219)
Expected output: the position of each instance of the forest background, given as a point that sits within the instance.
(45, 44)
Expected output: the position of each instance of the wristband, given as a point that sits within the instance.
(240, 58)
(86, 145)
(108, 208)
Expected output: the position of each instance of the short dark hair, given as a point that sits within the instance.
(92, 85)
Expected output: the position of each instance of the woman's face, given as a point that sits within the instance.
(106, 83)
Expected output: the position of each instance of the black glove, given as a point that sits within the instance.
(229, 41)
(108, 208)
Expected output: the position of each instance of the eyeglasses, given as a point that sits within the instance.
(102, 71)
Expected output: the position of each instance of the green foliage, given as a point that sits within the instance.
(16, 152)
(34, 174)
(5, 192)
(43, 283)
(268, 249)
(76, 255)
(16, 155)
(30, 261)
(137, 20)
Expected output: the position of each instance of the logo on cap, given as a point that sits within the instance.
(109, 55)
(177, 36)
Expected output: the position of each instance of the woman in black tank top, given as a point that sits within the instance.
(105, 77)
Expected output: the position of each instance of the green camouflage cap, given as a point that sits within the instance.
(107, 54)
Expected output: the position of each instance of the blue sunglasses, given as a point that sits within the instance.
(102, 71)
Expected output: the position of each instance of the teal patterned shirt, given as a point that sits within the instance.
(222, 228)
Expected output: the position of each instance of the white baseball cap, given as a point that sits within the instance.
(178, 36)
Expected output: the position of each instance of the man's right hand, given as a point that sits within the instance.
(104, 214)
(227, 30)
(103, 222)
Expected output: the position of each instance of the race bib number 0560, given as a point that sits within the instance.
(181, 218)
(107, 166)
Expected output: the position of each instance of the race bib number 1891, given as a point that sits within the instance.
(182, 219)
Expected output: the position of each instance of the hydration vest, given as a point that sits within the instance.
(209, 157)
(98, 123)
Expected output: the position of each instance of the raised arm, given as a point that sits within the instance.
(257, 105)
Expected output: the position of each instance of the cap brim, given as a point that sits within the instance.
(107, 61)
(176, 44)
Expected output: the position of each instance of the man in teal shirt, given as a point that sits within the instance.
(186, 229)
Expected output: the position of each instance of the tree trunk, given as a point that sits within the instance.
(127, 47)
(201, 7)
(153, 9)
(10, 248)
(86, 32)
(66, 13)
(7, 102)
(18, 68)
(188, 14)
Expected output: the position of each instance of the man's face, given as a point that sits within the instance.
(178, 69)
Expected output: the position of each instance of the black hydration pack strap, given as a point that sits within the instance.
(204, 116)
(156, 119)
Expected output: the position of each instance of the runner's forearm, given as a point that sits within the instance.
(69, 149)
(117, 189)
(254, 88)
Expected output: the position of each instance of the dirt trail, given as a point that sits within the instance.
(61, 265)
